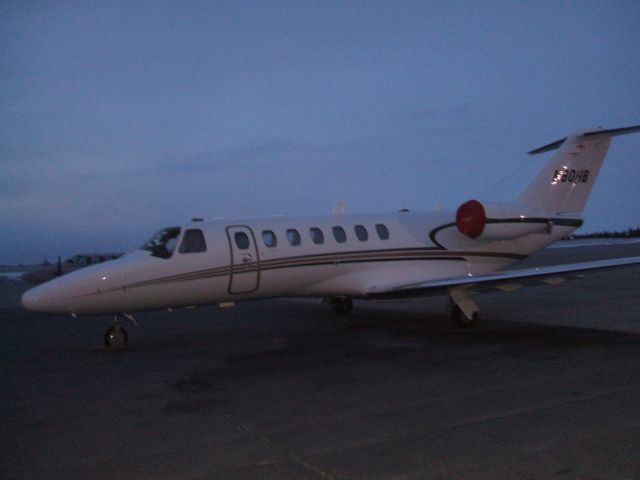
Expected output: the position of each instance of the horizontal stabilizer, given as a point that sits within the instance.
(564, 183)
(548, 148)
(592, 134)
(612, 132)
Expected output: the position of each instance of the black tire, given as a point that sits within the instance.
(116, 338)
(342, 305)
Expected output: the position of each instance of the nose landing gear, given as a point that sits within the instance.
(116, 338)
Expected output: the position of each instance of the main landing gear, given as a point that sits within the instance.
(341, 305)
(460, 319)
(462, 309)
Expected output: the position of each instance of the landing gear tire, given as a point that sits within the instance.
(461, 320)
(116, 338)
(341, 305)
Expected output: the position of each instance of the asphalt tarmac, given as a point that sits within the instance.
(547, 386)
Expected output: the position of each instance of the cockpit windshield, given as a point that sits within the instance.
(163, 243)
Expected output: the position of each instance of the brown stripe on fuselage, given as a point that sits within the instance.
(370, 256)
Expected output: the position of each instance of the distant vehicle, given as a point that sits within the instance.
(76, 262)
(340, 257)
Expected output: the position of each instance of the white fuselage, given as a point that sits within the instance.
(247, 259)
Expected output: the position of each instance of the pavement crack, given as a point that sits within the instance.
(524, 411)
(290, 454)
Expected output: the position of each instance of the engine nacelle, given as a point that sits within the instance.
(498, 221)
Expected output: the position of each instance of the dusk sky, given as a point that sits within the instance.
(119, 118)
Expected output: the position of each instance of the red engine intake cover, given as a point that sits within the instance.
(471, 218)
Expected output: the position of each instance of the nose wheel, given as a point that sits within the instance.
(116, 338)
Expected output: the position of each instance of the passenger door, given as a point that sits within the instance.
(244, 275)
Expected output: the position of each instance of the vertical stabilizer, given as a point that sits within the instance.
(564, 184)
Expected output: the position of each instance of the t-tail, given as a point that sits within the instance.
(563, 185)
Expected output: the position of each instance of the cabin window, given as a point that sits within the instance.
(316, 235)
(361, 233)
(293, 236)
(193, 242)
(339, 234)
(383, 231)
(242, 240)
(269, 238)
(163, 243)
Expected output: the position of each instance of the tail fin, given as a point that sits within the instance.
(564, 184)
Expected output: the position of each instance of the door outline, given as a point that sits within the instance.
(248, 262)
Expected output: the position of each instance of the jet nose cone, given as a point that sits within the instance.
(39, 299)
(30, 300)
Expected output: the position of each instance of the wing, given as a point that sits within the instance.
(506, 281)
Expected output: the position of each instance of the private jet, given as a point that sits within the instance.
(343, 257)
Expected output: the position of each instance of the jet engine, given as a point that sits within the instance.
(498, 221)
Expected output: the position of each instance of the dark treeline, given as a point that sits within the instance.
(630, 233)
